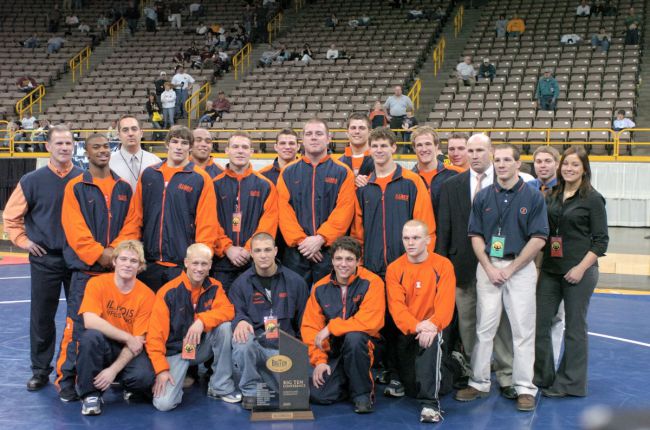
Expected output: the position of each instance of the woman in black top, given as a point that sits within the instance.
(153, 109)
(569, 272)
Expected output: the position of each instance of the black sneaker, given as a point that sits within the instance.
(37, 382)
(363, 405)
(509, 392)
(383, 377)
(394, 389)
(68, 394)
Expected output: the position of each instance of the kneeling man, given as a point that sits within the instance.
(190, 323)
(344, 312)
(115, 309)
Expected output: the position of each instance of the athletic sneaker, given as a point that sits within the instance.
(429, 414)
(91, 405)
(382, 377)
(466, 369)
(68, 394)
(363, 405)
(234, 397)
(394, 389)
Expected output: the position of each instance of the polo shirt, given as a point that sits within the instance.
(520, 212)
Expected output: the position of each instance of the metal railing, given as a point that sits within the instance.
(115, 30)
(439, 55)
(273, 27)
(458, 20)
(242, 60)
(414, 93)
(5, 138)
(28, 102)
(193, 103)
(77, 62)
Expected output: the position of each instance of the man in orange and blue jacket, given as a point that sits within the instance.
(189, 325)
(344, 313)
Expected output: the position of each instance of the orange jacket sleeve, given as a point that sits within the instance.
(132, 227)
(313, 321)
(268, 223)
(445, 299)
(423, 210)
(207, 224)
(339, 221)
(14, 218)
(158, 332)
(356, 231)
(291, 230)
(404, 320)
(77, 233)
(370, 316)
(221, 311)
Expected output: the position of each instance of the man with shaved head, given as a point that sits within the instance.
(201, 152)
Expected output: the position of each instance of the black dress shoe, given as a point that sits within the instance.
(550, 392)
(37, 382)
(509, 392)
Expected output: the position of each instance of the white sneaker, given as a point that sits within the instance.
(91, 405)
(430, 415)
(234, 397)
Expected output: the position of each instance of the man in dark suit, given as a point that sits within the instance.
(456, 198)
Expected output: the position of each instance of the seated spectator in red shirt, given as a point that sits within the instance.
(221, 104)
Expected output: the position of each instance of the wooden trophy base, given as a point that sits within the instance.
(282, 415)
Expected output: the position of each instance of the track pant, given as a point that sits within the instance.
(97, 352)
(217, 344)
(74, 327)
(311, 272)
(350, 361)
(156, 275)
(420, 369)
(571, 376)
(249, 369)
(517, 297)
(48, 275)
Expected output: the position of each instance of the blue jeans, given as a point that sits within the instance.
(247, 360)
(547, 103)
(181, 97)
(603, 44)
(168, 117)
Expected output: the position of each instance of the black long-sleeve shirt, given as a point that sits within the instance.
(582, 224)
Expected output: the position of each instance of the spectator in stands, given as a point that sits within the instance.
(168, 102)
(601, 40)
(84, 28)
(332, 53)
(150, 19)
(285, 53)
(632, 18)
(102, 24)
(632, 36)
(409, 124)
(332, 21)
(182, 83)
(415, 15)
(570, 39)
(201, 29)
(154, 110)
(396, 107)
(378, 116)
(54, 44)
(27, 122)
(111, 133)
(515, 27)
(210, 114)
(268, 57)
(54, 19)
(32, 42)
(547, 91)
(159, 84)
(40, 133)
(175, 15)
(26, 84)
(71, 21)
(196, 9)
(487, 70)
(583, 9)
(621, 122)
(466, 73)
(307, 54)
(211, 40)
(439, 14)
(179, 57)
(221, 105)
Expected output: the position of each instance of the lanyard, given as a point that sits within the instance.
(502, 213)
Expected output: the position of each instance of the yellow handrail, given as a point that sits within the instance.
(273, 27)
(414, 93)
(27, 102)
(5, 138)
(241, 57)
(77, 62)
(299, 4)
(115, 29)
(193, 103)
(439, 55)
(458, 20)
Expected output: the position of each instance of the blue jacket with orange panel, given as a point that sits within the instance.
(256, 200)
(441, 174)
(315, 199)
(173, 216)
(360, 309)
(380, 216)
(271, 171)
(90, 223)
(367, 165)
(173, 313)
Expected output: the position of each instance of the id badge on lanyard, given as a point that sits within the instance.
(497, 246)
(271, 326)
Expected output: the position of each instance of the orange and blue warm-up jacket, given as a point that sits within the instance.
(173, 313)
(92, 224)
(315, 199)
(361, 309)
(367, 165)
(380, 216)
(441, 174)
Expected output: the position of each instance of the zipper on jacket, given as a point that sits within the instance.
(344, 296)
(383, 221)
(162, 217)
(238, 209)
(313, 199)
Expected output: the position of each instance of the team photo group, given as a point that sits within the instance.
(419, 281)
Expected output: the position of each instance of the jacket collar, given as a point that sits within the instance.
(229, 172)
(397, 174)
